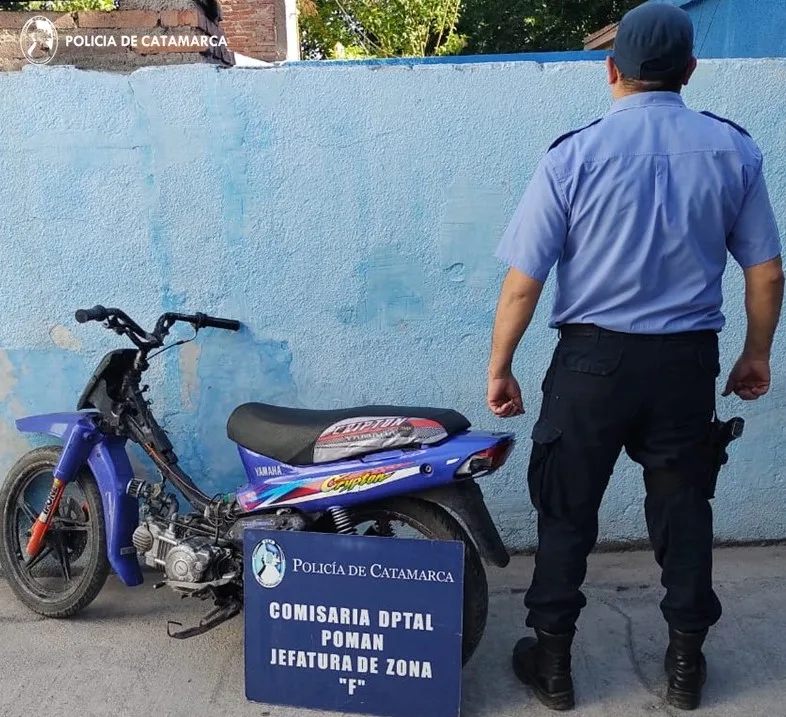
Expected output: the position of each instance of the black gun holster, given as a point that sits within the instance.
(722, 434)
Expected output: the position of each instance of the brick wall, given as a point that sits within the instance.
(255, 28)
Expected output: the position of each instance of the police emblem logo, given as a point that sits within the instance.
(39, 40)
(268, 563)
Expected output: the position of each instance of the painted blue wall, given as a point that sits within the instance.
(737, 28)
(347, 214)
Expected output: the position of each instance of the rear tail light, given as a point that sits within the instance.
(486, 461)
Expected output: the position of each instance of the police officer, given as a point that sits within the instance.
(638, 211)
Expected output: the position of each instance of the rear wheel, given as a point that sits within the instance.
(72, 566)
(406, 517)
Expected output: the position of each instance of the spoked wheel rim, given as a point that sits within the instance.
(57, 570)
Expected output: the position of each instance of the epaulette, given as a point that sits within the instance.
(565, 136)
(727, 121)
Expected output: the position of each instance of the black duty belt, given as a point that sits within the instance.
(591, 330)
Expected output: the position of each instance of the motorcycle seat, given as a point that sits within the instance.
(303, 437)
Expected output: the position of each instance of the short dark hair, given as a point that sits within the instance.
(670, 84)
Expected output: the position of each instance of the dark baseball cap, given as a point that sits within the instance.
(654, 42)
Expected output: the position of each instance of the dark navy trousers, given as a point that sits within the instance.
(654, 397)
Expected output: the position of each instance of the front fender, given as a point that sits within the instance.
(465, 498)
(108, 461)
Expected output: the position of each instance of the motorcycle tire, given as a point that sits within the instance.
(435, 523)
(90, 538)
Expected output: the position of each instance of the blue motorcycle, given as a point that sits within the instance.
(71, 513)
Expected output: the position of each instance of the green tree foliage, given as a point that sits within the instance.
(59, 5)
(503, 26)
(387, 28)
(379, 28)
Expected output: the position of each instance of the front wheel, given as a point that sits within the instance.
(70, 569)
(433, 523)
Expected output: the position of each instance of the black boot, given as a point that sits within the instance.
(544, 665)
(686, 668)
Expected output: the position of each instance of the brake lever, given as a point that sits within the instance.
(162, 328)
(114, 324)
(122, 328)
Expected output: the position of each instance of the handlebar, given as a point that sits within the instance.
(214, 322)
(120, 322)
(225, 324)
(97, 313)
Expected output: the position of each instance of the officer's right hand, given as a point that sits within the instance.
(749, 379)
(504, 396)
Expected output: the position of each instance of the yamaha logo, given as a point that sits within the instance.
(268, 563)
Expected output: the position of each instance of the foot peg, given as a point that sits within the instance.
(214, 618)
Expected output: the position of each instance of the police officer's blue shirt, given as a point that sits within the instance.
(638, 212)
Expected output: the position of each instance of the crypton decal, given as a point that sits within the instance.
(352, 481)
(309, 489)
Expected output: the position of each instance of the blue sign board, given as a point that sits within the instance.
(351, 623)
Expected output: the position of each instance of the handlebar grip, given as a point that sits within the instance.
(216, 323)
(97, 313)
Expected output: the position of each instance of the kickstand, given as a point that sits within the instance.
(214, 618)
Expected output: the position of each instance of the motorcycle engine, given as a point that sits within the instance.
(188, 561)
(184, 559)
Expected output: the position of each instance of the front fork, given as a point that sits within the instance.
(44, 520)
(75, 452)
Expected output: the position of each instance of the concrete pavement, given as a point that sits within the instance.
(116, 659)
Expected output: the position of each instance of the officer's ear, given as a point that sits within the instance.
(612, 71)
(691, 69)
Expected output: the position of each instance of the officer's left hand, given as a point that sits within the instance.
(749, 379)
